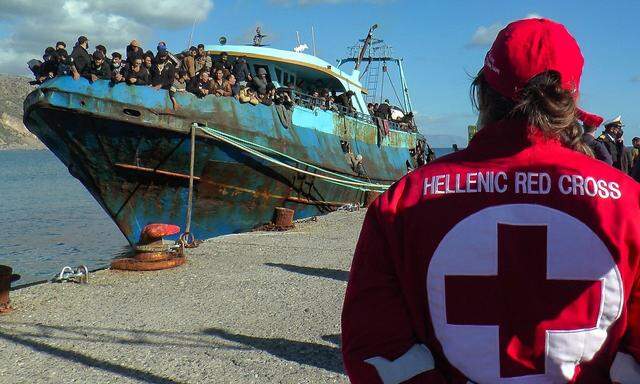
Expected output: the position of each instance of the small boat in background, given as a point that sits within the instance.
(133, 152)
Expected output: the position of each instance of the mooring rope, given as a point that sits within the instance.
(341, 180)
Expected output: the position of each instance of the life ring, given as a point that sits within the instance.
(129, 264)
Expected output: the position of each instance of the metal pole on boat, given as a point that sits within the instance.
(187, 228)
(313, 39)
(405, 89)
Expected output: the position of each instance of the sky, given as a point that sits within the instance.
(442, 43)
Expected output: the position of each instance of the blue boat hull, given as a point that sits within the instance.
(133, 156)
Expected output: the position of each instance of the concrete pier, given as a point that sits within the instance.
(260, 307)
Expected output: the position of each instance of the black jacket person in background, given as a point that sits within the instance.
(98, 69)
(162, 71)
(590, 124)
(81, 58)
(611, 138)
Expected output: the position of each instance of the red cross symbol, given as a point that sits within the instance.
(521, 300)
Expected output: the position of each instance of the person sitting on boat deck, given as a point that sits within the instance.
(162, 47)
(283, 96)
(590, 123)
(248, 95)
(233, 85)
(203, 60)
(268, 97)
(179, 85)
(218, 85)
(49, 68)
(117, 67)
(137, 74)
(162, 71)
(344, 99)
(98, 69)
(64, 62)
(223, 63)
(80, 57)
(189, 62)
(103, 49)
(384, 110)
(241, 71)
(199, 85)
(134, 51)
(259, 83)
(147, 60)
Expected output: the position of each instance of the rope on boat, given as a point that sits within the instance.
(271, 150)
(344, 181)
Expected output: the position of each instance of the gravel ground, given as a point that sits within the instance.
(261, 307)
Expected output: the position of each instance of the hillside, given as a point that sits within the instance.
(13, 134)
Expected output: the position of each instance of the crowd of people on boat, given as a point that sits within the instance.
(197, 72)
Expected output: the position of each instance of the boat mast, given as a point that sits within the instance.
(365, 45)
(374, 51)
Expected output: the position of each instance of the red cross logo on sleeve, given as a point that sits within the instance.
(517, 294)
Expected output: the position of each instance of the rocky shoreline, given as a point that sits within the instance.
(13, 134)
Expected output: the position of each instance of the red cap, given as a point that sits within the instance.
(589, 119)
(527, 48)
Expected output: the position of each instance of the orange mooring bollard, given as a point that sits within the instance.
(6, 278)
(284, 217)
(152, 253)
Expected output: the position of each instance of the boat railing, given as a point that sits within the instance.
(311, 102)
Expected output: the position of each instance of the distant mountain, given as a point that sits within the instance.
(446, 141)
(13, 134)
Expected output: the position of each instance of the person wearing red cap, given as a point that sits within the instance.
(590, 124)
(515, 260)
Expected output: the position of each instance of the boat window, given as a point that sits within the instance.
(279, 75)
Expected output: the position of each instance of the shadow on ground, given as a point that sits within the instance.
(89, 361)
(301, 352)
(335, 274)
(42, 338)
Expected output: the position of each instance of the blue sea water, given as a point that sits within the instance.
(49, 220)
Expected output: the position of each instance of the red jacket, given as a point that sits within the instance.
(515, 260)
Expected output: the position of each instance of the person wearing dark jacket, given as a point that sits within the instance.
(98, 69)
(49, 68)
(80, 57)
(241, 71)
(611, 140)
(199, 85)
(137, 74)
(590, 124)
(162, 72)
(134, 51)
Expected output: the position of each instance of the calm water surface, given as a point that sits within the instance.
(49, 219)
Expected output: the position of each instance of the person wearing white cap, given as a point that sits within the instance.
(612, 140)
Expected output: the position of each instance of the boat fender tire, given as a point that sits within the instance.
(129, 264)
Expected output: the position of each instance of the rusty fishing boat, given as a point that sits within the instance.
(221, 164)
